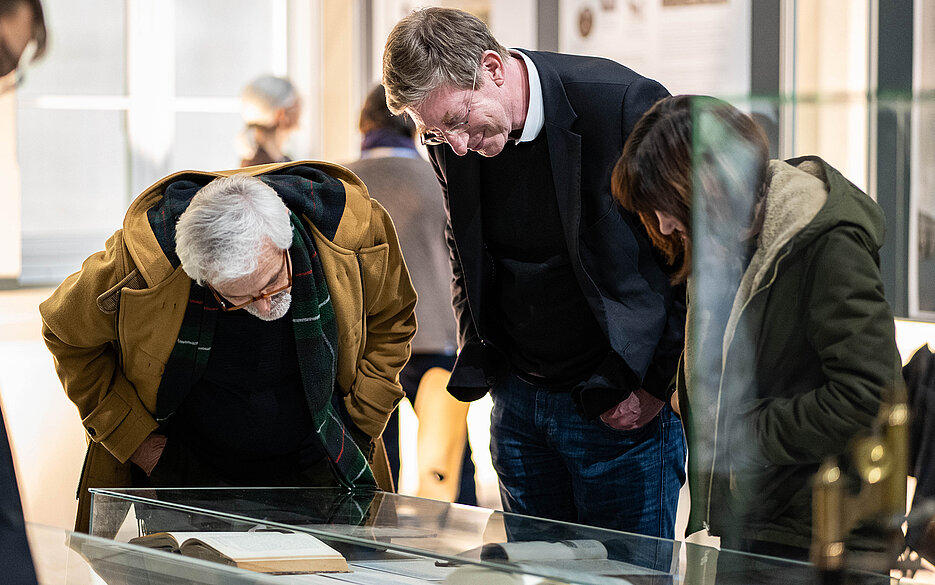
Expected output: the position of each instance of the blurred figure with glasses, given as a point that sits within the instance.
(239, 330)
(22, 39)
(565, 312)
(270, 108)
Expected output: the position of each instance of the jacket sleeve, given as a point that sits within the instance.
(471, 375)
(640, 96)
(850, 324)
(390, 321)
(83, 342)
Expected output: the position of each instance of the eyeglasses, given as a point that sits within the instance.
(438, 137)
(227, 306)
(12, 66)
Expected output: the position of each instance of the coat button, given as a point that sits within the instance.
(91, 431)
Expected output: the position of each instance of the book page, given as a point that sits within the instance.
(260, 545)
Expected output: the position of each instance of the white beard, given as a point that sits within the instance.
(278, 307)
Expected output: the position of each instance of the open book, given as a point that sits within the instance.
(265, 552)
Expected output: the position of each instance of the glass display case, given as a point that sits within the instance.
(67, 558)
(394, 539)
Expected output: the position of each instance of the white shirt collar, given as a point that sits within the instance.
(535, 115)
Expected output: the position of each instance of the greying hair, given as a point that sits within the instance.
(228, 224)
(430, 48)
(263, 96)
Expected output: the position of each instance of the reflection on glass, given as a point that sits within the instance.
(427, 541)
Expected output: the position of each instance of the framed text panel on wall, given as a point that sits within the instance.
(690, 46)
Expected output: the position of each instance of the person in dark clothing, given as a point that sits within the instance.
(22, 39)
(919, 374)
(399, 178)
(565, 312)
(790, 347)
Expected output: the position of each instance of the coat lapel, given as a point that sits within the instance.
(464, 211)
(564, 148)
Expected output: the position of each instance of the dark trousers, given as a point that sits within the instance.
(554, 464)
(410, 377)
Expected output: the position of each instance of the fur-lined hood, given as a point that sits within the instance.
(805, 198)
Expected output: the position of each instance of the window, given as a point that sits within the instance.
(131, 91)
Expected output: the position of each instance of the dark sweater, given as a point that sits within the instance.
(248, 415)
(549, 331)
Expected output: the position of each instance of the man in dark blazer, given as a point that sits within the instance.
(565, 312)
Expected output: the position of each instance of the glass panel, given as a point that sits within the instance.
(86, 49)
(205, 141)
(69, 558)
(222, 44)
(433, 541)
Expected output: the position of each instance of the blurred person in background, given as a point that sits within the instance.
(270, 108)
(399, 178)
(790, 343)
(22, 39)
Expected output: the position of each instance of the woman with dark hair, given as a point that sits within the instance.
(790, 343)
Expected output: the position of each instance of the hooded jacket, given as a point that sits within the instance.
(112, 326)
(809, 354)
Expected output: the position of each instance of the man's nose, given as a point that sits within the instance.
(458, 142)
(263, 306)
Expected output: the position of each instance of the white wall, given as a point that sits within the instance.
(10, 233)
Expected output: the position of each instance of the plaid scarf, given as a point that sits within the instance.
(320, 199)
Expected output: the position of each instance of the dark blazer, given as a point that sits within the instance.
(15, 561)
(591, 104)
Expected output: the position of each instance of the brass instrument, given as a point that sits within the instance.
(869, 486)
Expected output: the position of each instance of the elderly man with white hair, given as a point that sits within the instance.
(238, 331)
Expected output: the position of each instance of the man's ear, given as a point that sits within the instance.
(492, 63)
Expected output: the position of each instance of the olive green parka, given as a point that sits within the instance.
(809, 354)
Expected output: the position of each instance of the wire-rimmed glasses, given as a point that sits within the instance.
(228, 306)
(437, 137)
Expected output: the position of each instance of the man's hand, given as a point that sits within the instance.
(674, 403)
(148, 453)
(633, 412)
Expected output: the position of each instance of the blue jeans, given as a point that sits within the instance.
(554, 464)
